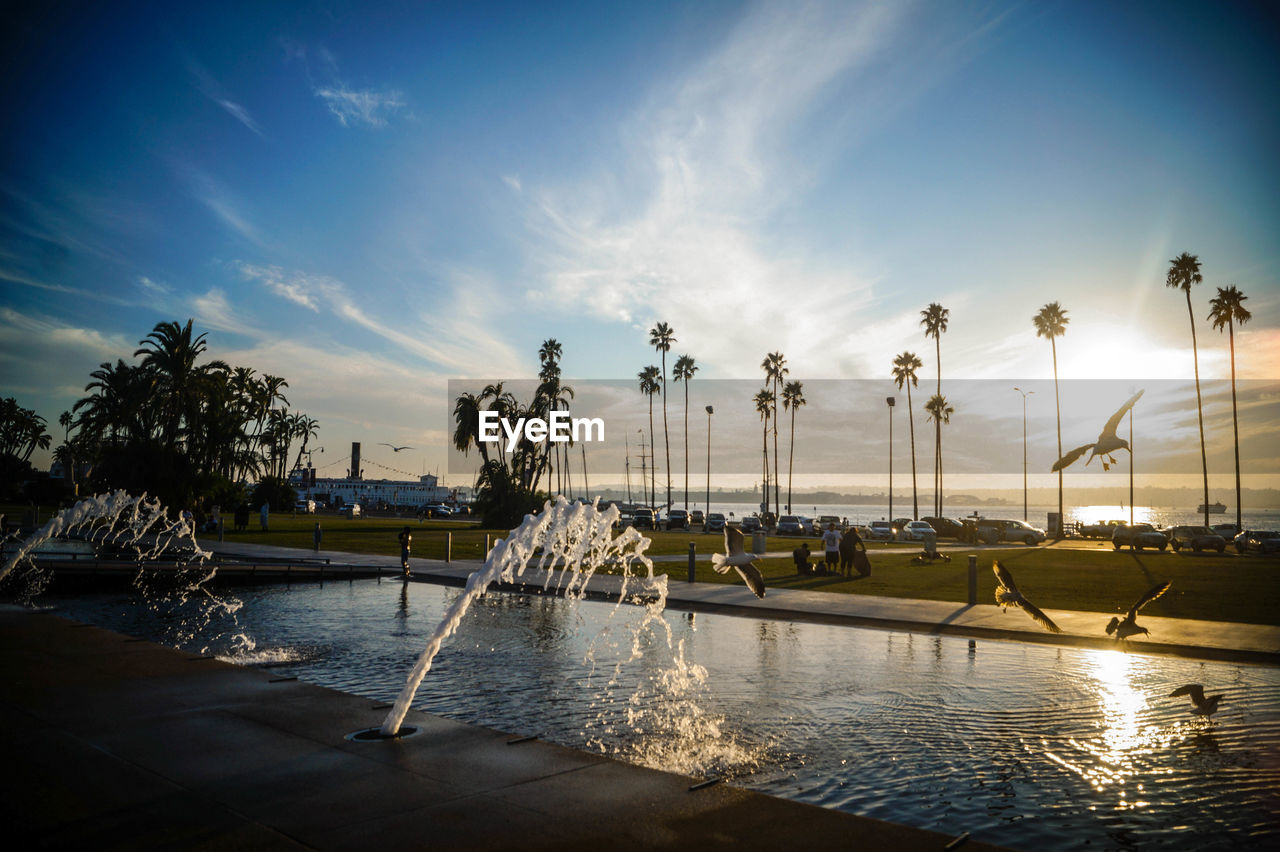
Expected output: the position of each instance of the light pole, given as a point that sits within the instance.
(710, 411)
(892, 402)
(1025, 394)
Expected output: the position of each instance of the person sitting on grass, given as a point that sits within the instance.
(801, 557)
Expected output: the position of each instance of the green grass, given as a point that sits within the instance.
(364, 535)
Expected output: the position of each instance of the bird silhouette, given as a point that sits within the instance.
(1108, 442)
(1128, 626)
(1200, 704)
(1007, 595)
(393, 449)
(736, 557)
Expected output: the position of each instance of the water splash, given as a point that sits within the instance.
(570, 543)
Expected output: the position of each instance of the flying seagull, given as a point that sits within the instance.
(1108, 442)
(736, 556)
(1200, 705)
(393, 449)
(1007, 595)
(1127, 627)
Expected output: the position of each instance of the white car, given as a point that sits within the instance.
(881, 530)
(306, 507)
(915, 531)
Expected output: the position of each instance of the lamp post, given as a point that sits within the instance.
(710, 411)
(892, 402)
(1025, 394)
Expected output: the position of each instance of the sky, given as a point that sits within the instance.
(374, 200)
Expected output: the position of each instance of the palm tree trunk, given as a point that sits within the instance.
(1235, 423)
(666, 437)
(791, 458)
(937, 437)
(686, 445)
(911, 419)
(652, 473)
(1195, 357)
(776, 483)
(1057, 404)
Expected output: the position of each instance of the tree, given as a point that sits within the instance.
(661, 337)
(904, 375)
(934, 319)
(775, 369)
(1226, 309)
(792, 398)
(649, 386)
(684, 370)
(1051, 322)
(1184, 272)
(764, 407)
(939, 412)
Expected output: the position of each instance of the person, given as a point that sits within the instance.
(264, 515)
(801, 557)
(853, 555)
(831, 544)
(406, 540)
(316, 535)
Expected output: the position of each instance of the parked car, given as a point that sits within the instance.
(824, 521)
(1227, 531)
(1102, 529)
(437, 510)
(915, 531)
(696, 517)
(751, 523)
(881, 530)
(1196, 538)
(351, 510)
(644, 519)
(946, 527)
(715, 523)
(790, 525)
(806, 525)
(1138, 536)
(1258, 541)
(678, 519)
(306, 507)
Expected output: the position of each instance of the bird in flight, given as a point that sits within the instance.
(1200, 704)
(1007, 595)
(1108, 442)
(736, 557)
(1128, 626)
(393, 449)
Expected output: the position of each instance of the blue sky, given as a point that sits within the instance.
(373, 199)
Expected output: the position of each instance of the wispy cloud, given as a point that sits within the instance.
(219, 201)
(367, 107)
(214, 91)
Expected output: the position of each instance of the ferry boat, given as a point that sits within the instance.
(1214, 509)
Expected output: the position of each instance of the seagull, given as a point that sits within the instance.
(1108, 442)
(1007, 595)
(1200, 705)
(736, 556)
(1127, 627)
(393, 449)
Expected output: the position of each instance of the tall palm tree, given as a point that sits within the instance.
(1226, 309)
(1184, 272)
(904, 375)
(661, 336)
(792, 398)
(775, 369)
(684, 370)
(171, 351)
(650, 385)
(764, 406)
(549, 390)
(934, 319)
(939, 412)
(1051, 322)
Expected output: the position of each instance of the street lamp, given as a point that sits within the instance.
(1025, 394)
(710, 411)
(892, 402)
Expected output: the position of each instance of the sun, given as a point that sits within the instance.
(1118, 352)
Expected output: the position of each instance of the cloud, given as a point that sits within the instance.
(214, 196)
(154, 287)
(360, 106)
(213, 90)
(213, 309)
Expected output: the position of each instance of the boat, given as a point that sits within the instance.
(1213, 509)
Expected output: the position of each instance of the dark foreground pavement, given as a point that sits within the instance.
(115, 743)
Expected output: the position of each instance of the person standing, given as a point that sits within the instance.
(316, 535)
(406, 541)
(831, 544)
(264, 515)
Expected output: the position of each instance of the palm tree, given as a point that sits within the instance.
(171, 351)
(661, 337)
(775, 368)
(1227, 308)
(1184, 271)
(764, 406)
(904, 375)
(649, 385)
(934, 319)
(549, 374)
(792, 398)
(684, 370)
(939, 412)
(1051, 322)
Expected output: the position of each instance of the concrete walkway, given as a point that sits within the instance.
(1213, 640)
